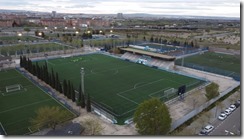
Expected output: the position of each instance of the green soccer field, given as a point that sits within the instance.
(228, 65)
(17, 107)
(118, 85)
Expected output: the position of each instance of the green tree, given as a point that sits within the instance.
(49, 117)
(65, 87)
(152, 118)
(27, 30)
(92, 126)
(21, 61)
(212, 91)
(69, 90)
(78, 101)
(72, 93)
(82, 103)
(57, 82)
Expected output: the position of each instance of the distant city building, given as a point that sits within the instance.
(53, 14)
(120, 16)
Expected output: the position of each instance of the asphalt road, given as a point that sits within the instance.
(230, 126)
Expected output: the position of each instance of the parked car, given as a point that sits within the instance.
(222, 116)
(207, 129)
(238, 101)
(237, 104)
(232, 108)
(203, 132)
(227, 111)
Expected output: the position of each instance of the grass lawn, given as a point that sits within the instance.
(117, 85)
(17, 107)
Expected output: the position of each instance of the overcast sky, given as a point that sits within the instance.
(227, 8)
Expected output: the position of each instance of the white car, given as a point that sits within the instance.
(208, 128)
(232, 107)
(227, 111)
(222, 116)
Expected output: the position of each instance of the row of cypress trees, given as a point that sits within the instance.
(51, 78)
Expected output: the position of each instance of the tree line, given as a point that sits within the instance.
(171, 42)
(64, 87)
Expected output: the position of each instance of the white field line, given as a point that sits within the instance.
(48, 94)
(25, 106)
(140, 86)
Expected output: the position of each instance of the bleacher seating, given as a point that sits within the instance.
(150, 61)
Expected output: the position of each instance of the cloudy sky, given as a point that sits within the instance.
(227, 8)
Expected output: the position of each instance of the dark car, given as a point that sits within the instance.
(237, 104)
(203, 132)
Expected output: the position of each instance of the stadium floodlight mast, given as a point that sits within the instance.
(82, 73)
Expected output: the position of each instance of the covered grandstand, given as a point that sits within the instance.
(148, 53)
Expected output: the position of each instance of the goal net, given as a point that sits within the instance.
(169, 92)
(13, 88)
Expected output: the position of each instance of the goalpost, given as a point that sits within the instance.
(13, 88)
(168, 92)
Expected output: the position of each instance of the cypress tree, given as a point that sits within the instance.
(82, 102)
(41, 73)
(46, 79)
(53, 80)
(57, 82)
(88, 104)
(29, 66)
(21, 61)
(24, 62)
(60, 88)
(78, 101)
(65, 88)
(69, 90)
(34, 69)
(72, 93)
(38, 71)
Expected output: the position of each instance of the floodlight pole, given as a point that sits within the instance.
(82, 73)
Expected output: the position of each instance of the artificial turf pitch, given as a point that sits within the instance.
(118, 85)
(16, 108)
(218, 63)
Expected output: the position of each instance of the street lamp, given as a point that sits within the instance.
(73, 27)
(40, 34)
(19, 34)
(45, 28)
(89, 37)
(65, 27)
(82, 73)
(55, 27)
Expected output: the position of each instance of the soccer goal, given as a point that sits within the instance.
(169, 92)
(13, 88)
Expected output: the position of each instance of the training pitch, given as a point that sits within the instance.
(19, 106)
(224, 64)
